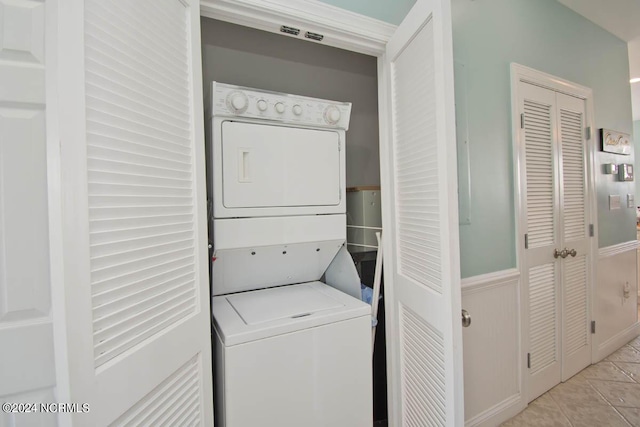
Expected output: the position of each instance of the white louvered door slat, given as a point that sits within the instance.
(576, 336)
(541, 198)
(423, 274)
(137, 295)
(555, 209)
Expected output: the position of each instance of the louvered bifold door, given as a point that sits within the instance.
(134, 218)
(422, 275)
(541, 226)
(574, 208)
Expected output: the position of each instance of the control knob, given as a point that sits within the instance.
(237, 102)
(297, 110)
(279, 107)
(332, 115)
(262, 105)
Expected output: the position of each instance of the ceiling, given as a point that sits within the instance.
(621, 18)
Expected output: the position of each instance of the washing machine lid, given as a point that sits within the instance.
(264, 313)
(268, 305)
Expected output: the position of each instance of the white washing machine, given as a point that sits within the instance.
(290, 349)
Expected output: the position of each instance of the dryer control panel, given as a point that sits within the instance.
(237, 101)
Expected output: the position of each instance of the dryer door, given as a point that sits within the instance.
(268, 166)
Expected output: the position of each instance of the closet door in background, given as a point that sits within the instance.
(554, 197)
(574, 228)
(541, 270)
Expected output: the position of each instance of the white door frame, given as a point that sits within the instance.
(520, 73)
(341, 29)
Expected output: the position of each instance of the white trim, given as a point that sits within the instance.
(520, 73)
(539, 78)
(388, 245)
(615, 342)
(55, 237)
(618, 249)
(341, 28)
(344, 30)
(489, 280)
(498, 413)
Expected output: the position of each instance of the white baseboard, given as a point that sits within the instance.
(617, 341)
(499, 413)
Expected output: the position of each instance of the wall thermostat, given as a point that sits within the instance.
(625, 172)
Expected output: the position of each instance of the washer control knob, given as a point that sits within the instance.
(332, 114)
(280, 107)
(297, 110)
(262, 105)
(237, 102)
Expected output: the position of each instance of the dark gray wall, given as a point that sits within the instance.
(247, 57)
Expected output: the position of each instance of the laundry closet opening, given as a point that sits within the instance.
(247, 57)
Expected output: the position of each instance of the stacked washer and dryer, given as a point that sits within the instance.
(292, 343)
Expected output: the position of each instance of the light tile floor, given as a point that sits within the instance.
(604, 394)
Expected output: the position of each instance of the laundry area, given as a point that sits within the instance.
(293, 188)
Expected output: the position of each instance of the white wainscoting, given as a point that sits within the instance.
(615, 311)
(492, 348)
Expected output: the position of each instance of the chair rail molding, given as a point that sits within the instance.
(613, 250)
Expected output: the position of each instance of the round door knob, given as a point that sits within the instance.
(332, 115)
(262, 105)
(297, 110)
(466, 319)
(237, 102)
(280, 107)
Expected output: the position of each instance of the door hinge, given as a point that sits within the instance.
(588, 132)
(529, 360)
(593, 326)
(522, 121)
(591, 230)
(526, 241)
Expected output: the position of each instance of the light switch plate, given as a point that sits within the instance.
(614, 202)
(631, 202)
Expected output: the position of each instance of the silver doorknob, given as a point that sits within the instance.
(466, 319)
(572, 252)
(563, 253)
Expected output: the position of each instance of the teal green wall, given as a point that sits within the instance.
(392, 11)
(490, 34)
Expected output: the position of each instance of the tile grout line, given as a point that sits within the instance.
(622, 416)
(623, 372)
(566, 417)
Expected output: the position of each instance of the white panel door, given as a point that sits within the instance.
(133, 316)
(27, 370)
(422, 274)
(555, 208)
